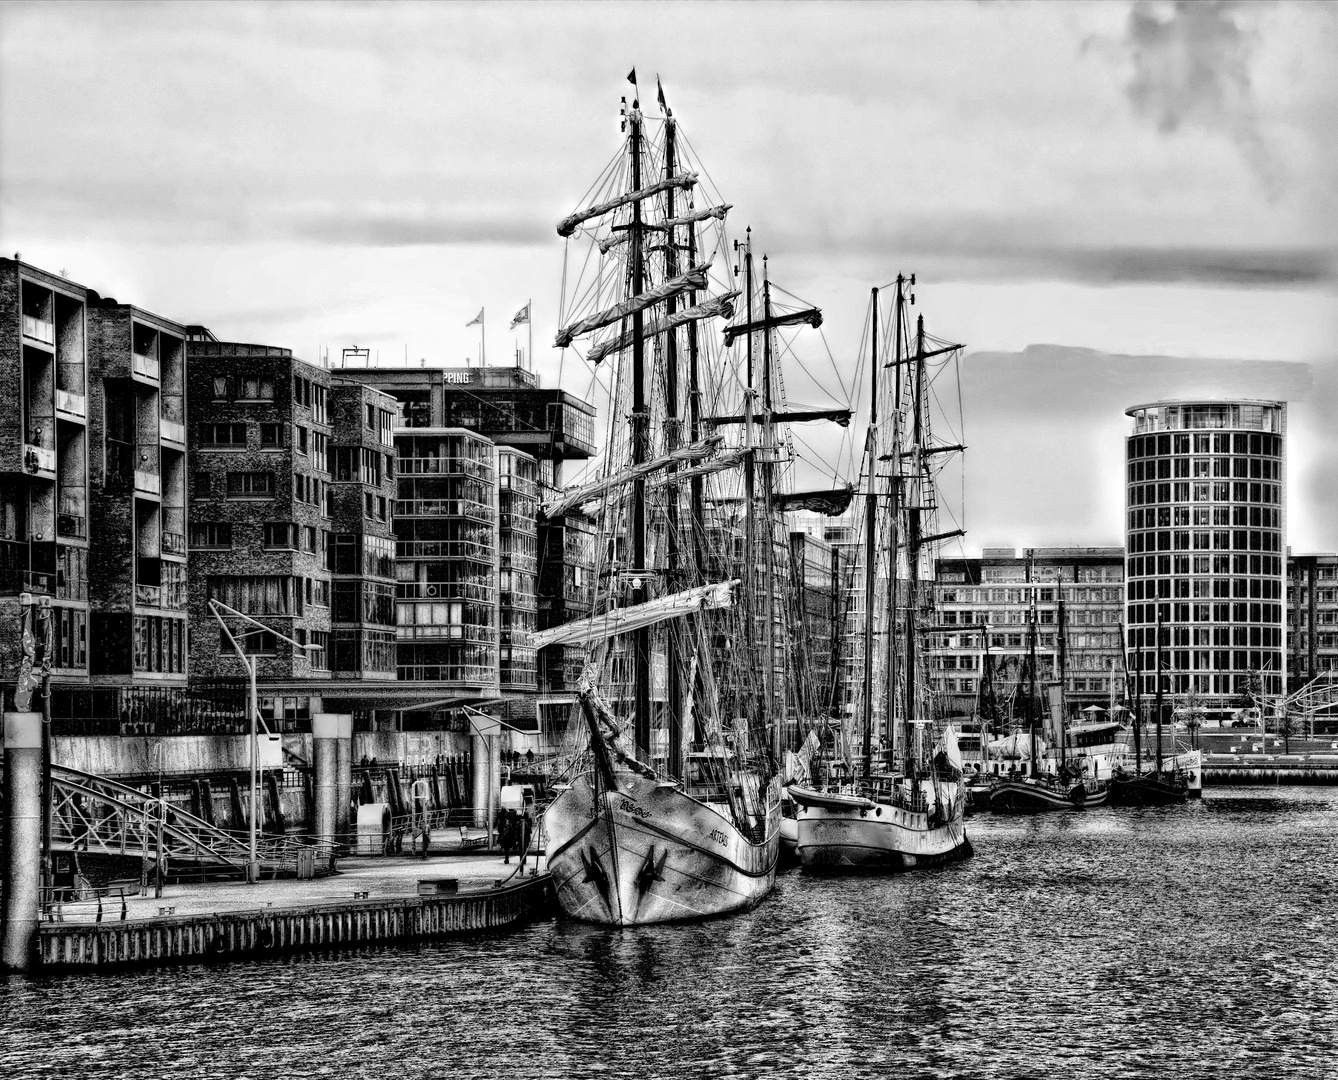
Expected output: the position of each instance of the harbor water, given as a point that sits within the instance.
(1188, 941)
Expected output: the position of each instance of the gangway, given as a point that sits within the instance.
(95, 813)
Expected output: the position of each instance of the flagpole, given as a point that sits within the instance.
(529, 352)
(483, 337)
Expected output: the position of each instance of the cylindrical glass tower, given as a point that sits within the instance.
(1205, 550)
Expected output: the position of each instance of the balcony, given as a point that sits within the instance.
(174, 543)
(38, 459)
(42, 330)
(149, 595)
(144, 365)
(148, 482)
(71, 404)
(72, 526)
(172, 432)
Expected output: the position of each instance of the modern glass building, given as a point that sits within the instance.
(1206, 558)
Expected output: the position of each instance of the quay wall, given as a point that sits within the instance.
(1273, 774)
(275, 931)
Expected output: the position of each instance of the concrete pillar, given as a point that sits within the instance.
(23, 839)
(494, 783)
(344, 772)
(481, 770)
(325, 731)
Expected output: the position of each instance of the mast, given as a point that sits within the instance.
(1160, 703)
(1031, 671)
(768, 480)
(1063, 726)
(750, 461)
(871, 536)
(913, 527)
(894, 510)
(640, 421)
(672, 431)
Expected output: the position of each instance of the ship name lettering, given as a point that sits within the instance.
(627, 806)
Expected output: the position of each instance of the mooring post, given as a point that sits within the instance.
(344, 774)
(481, 771)
(326, 730)
(23, 839)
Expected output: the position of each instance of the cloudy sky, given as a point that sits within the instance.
(1109, 202)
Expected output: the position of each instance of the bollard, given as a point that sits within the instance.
(344, 774)
(325, 761)
(482, 773)
(23, 839)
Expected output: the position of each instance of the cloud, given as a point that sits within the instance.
(1045, 429)
(1192, 67)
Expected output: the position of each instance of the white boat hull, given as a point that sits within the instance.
(865, 835)
(648, 853)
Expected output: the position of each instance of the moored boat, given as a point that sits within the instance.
(915, 816)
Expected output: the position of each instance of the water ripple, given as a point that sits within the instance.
(1189, 942)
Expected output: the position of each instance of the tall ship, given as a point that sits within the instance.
(672, 808)
(899, 804)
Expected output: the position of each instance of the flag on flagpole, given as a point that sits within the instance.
(477, 320)
(631, 76)
(659, 96)
(521, 316)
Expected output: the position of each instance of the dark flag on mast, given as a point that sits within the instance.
(631, 76)
(659, 96)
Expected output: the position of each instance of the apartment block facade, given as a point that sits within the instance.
(261, 519)
(360, 458)
(1312, 618)
(1065, 603)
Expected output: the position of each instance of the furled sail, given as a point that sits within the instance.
(717, 212)
(573, 497)
(719, 305)
(789, 416)
(831, 502)
(811, 316)
(568, 224)
(625, 620)
(690, 279)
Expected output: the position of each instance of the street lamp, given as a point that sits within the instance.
(215, 608)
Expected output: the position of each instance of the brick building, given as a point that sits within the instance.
(261, 503)
(361, 466)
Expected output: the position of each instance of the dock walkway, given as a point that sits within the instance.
(370, 901)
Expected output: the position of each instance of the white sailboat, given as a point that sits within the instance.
(912, 815)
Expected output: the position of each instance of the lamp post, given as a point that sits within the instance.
(249, 660)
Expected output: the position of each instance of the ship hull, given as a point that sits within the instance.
(839, 833)
(647, 853)
(1030, 797)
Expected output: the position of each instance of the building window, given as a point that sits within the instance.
(271, 435)
(222, 388)
(280, 534)
(211, 534)
(319, 451)
(318, 404)
(256, 388)
(318, 657)
(371, 417)
(301, 439)
(251, 485)
(254, 642)
(309, 538)
(264, 595)
(223, 436)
